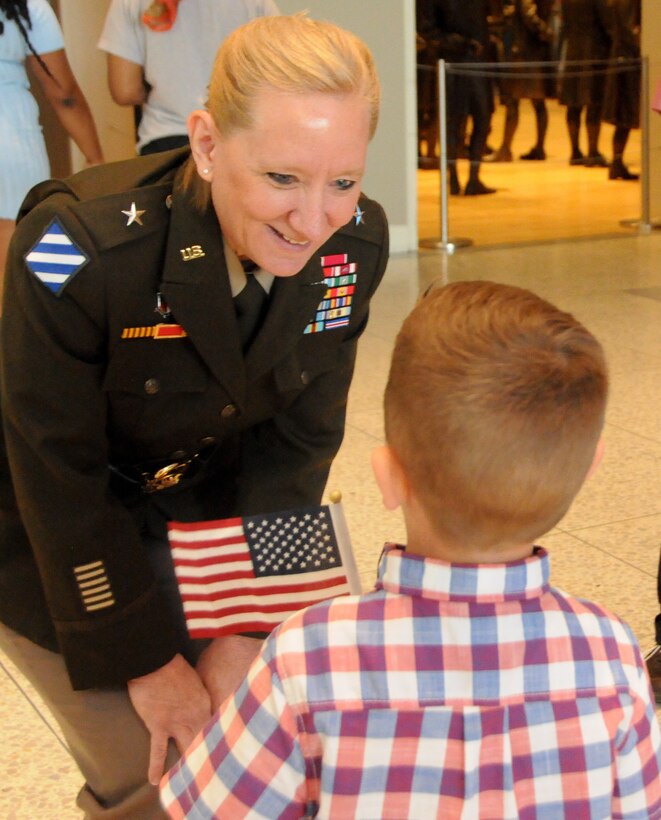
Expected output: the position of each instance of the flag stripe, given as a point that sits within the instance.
(262, 586)
(273, 615)
(202, 530)
(232, 571)
(220, 581)
(213, 628)
(283, 602)
(209, 555)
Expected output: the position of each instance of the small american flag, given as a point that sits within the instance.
(248, 574)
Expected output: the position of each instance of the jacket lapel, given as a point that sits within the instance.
(292, 305)
(196, 287)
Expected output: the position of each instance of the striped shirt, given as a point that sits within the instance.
(454, 691)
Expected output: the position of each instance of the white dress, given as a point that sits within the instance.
(23, 158)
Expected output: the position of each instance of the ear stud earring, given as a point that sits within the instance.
(205, 170)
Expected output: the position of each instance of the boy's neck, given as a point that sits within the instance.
(465, 555)
(421, 539)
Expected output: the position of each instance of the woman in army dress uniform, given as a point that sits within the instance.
(133, 392)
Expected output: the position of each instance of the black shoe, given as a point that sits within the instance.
(653, 663)
(476, 188)
(577, 158)
(534, 153)
(618, 170)
(596, 161)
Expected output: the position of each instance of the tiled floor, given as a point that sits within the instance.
(606, 548)
(547, 200)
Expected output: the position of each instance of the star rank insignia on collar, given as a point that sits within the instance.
(358, 215)
(133, 215)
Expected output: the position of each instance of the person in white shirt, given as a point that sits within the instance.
(160, 57)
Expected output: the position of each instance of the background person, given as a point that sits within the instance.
(113, 430)
(464, 685)
(458, 31)
(622, 95)
(30, 35)
(528, 39)
(160, 57)
(585, 25)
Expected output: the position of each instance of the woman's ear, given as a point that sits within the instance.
(203, 137)
(390, 477)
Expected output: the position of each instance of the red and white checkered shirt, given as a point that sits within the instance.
(454, 691)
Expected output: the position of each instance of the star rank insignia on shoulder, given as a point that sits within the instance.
(134, 215)
(55, 259)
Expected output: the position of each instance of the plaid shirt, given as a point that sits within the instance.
(449, 691)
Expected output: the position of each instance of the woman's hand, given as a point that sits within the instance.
(172, 703)
(224, 663)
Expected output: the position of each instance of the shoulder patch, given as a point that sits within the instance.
(55, 259)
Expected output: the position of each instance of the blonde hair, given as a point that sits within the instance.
(294, 54)
(494, 406)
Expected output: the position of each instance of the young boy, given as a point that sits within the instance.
(464, 685)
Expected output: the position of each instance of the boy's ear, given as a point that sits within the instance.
(203, 136)
(596, 461)
(390, 477)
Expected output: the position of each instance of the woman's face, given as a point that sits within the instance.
(283, 186)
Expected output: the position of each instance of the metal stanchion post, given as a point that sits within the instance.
(445, 243)
(645, 224)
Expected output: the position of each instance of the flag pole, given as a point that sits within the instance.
(344, 542)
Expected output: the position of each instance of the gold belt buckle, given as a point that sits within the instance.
(168, 476)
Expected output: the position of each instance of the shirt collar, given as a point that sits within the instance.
(237, 275)
(405, 573)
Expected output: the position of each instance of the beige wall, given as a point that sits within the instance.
(651, 47)
(82, 21)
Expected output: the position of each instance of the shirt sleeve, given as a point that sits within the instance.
(45, 34)
(258, 767)
(112, 620)
(637, 790)
(123, 32)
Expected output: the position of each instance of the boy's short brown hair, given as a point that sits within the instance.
(494, 407)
